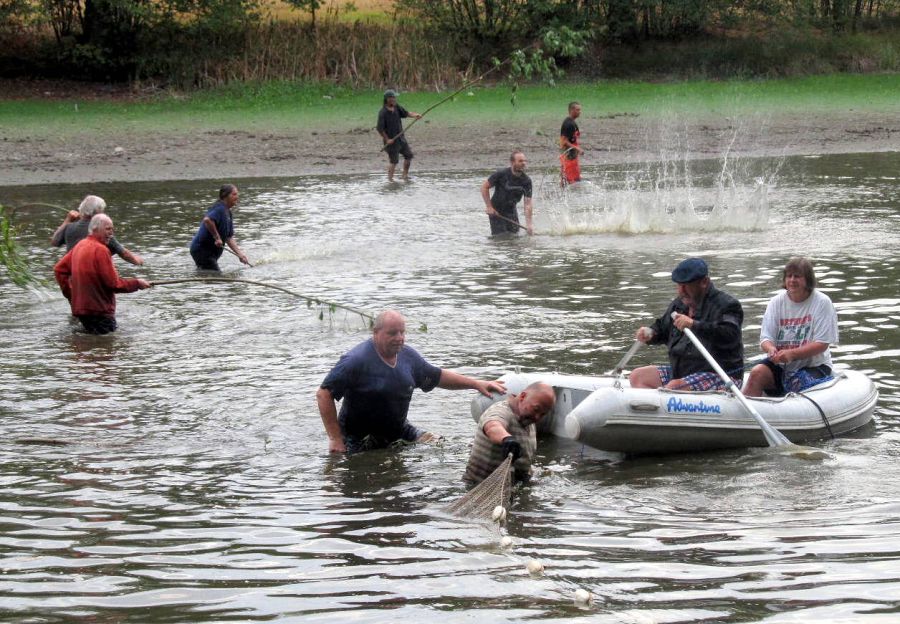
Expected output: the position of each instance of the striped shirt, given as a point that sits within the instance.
(486, 455)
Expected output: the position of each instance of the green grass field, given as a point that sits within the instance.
(287, 106)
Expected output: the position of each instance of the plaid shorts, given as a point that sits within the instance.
(697, 382)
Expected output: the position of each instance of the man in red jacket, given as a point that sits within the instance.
(89, 280)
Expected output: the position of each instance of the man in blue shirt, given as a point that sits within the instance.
(216, 230)
(376, 380)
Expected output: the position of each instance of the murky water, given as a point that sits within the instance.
(195, 485)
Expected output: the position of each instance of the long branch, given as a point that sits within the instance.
(316, 300)
(449, 97)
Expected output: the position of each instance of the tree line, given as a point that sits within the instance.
(190, 43)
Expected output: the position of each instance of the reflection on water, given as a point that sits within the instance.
(193, 482)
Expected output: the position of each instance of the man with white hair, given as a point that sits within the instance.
(74, 228)
(89, 281)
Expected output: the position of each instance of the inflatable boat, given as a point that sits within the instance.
(606, 413)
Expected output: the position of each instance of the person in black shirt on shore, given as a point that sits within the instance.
(510, 185)
(391, 130)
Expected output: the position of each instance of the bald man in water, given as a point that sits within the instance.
(376, 380)
(508, 427)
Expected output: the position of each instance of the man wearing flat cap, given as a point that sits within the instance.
(715, 318)
(391, 130)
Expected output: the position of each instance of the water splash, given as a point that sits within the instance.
(675, 192)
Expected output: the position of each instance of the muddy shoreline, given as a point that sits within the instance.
(119, 155)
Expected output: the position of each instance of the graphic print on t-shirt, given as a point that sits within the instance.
(794, 332)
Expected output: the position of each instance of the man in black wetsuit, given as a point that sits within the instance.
(391, 130)
(510, 185)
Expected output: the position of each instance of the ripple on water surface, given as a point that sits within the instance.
(177, 471)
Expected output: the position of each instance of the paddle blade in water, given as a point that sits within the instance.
(803, 452)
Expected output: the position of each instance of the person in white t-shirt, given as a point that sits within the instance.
(798, 327)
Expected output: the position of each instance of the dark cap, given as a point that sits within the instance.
(690, 270)
(390, 93)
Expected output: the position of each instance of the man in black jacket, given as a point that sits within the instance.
(715, 318)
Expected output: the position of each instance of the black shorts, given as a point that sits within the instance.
(396, 148)
(205, 261)
(96, 324)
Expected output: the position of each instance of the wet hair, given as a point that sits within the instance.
(226, 190)
(573, 104)
(91, 205)
(512, 156)
(382, 318)
(97, 222)
(800, 266)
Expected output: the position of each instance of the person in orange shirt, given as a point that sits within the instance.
(89, 280)
(569, 136)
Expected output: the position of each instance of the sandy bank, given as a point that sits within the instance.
(220, 154)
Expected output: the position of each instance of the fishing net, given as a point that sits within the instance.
(479, 503)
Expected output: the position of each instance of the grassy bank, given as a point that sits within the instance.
(289, 106)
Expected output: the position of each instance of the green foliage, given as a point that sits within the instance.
(785, 53)
(11, 256)
(14, 12)
(311, 6)
(539, 62)
(278, 109)
(128, 39)
(201, 43)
